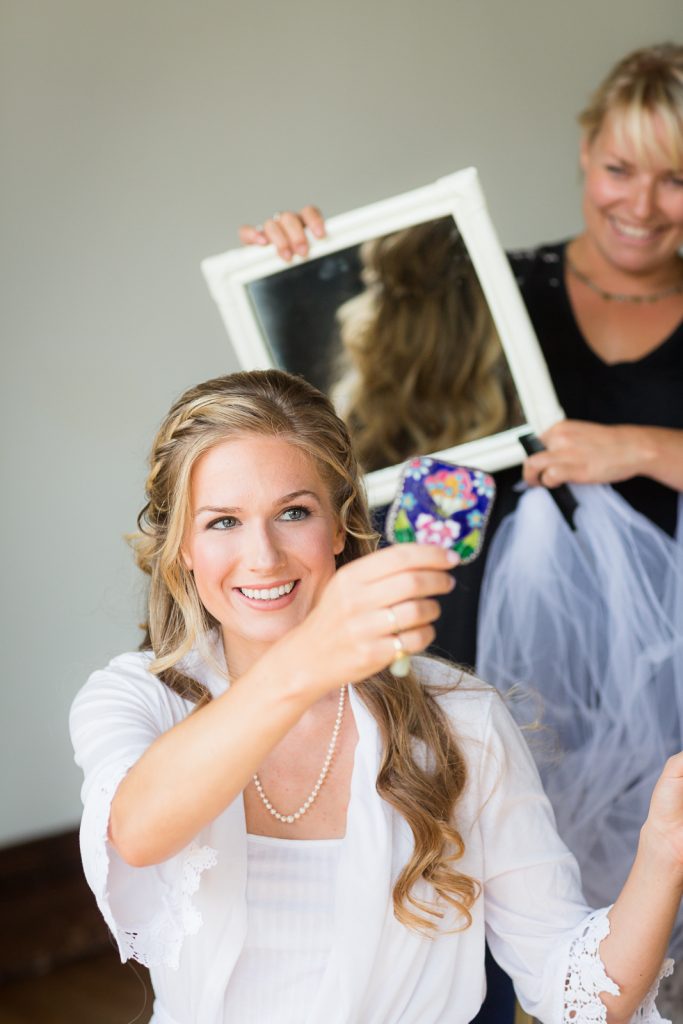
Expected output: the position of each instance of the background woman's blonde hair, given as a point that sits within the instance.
(423, 771)
(422, 367)
(645, 92)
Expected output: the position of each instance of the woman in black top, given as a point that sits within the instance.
(593, 620)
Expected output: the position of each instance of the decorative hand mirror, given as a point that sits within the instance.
(409, 317)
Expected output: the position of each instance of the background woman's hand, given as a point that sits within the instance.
(286, 231)
(350, 634)
(586, 453)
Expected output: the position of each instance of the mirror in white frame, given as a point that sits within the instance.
(408, 315)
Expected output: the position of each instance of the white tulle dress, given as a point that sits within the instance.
(588, 625)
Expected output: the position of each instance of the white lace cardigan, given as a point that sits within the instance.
(186, 918)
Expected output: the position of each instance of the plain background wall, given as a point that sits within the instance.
(136, 136)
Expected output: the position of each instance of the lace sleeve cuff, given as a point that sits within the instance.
(148, 910)
(586, 978)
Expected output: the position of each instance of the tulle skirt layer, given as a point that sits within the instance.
(589, 625)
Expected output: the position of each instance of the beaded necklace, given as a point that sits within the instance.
(620, 296)
(289, 819)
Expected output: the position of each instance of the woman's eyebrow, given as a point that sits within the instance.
(618, 159)
(297, 494)
(221, 509)
(227, 510)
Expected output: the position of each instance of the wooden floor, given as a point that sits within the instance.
(97, 990)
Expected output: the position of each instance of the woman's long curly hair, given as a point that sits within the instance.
(423, 771)
(421, 367)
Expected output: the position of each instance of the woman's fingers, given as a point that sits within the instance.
(373, 609)
(277, 233)
(400, 620)
(533, 467)
(575, 452)
(401, 616)
(399, 558)
(250, 234)
(673, 769)
(409, 586)
(583, 453)
(406, 628)
(314, 220)
(550, 469)
(666, 810)
(293, 226)
(410, 641)
(389, 578)
(286, 231)
(386, 602)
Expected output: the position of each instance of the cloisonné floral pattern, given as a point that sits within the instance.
(439, 503)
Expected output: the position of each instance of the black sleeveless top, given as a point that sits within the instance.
(647, 391)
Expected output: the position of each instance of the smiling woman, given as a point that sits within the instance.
(260, 563)
(594, 624)
(277, 826)
(626, 275)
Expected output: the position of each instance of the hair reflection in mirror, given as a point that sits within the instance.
(422, 366)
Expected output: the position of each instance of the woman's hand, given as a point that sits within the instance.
(286, 231)
(664, 825)
(592, 453)
(580, 453)
(644, 913)
(352, 631)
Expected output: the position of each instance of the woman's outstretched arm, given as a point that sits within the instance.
(643, 915)
(192, 772)
(564, 959)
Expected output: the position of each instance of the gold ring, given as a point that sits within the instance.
(400, 666)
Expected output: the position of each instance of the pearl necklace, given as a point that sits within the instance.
(289, 819)
(620, 296)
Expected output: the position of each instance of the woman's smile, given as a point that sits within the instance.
(635, 232)
(269, 596)
(262, 540)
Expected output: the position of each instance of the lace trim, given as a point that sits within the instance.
(158, 944)
(587, 978)
(95, 826)
(647, 1012)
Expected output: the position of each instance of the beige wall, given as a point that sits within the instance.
(135, 138)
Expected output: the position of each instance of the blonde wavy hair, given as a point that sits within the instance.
(644, 90)
(423, 787)
(422, 367)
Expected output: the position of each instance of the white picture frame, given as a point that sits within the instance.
(460, 195)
